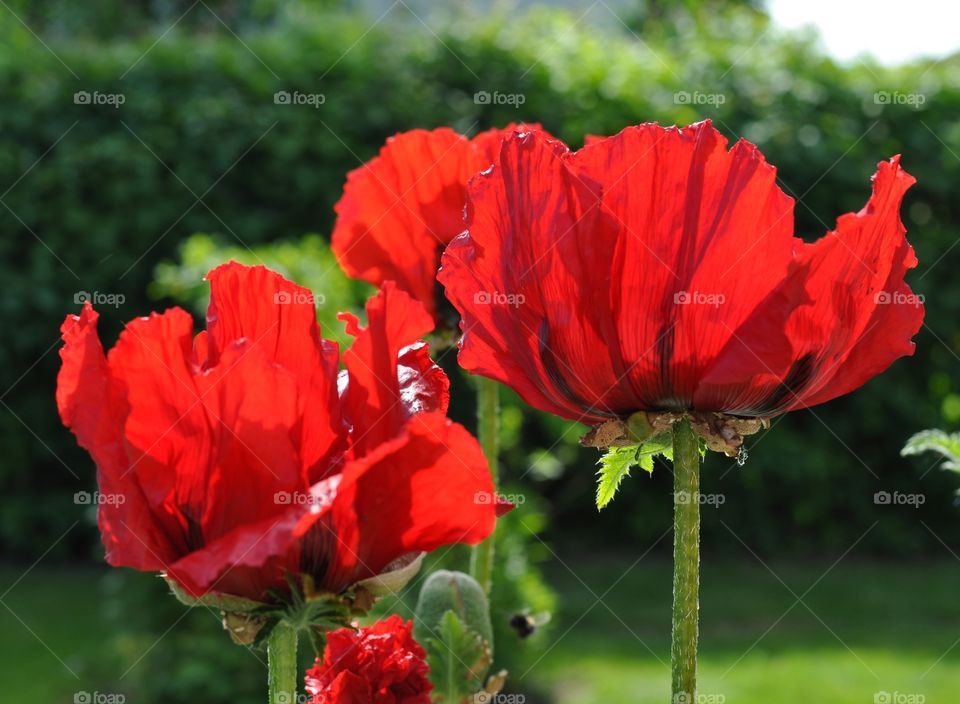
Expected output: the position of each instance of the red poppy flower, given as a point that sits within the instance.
(399, 210)
(656, 270)
(231, 459)
(381, 664)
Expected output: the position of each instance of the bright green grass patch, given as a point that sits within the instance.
(828, 676)
(861, 632)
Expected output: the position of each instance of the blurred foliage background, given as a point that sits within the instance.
(106, 197)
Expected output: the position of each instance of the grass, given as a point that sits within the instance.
(861, 629)
(50, 633)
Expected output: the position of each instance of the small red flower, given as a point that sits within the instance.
(656, 270)
(399, 210)
(380, 664)
(230, 459)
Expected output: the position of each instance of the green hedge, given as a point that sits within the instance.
(96, 196)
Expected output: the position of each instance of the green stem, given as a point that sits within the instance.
(282, 664)
(488, 430)
(686, 561)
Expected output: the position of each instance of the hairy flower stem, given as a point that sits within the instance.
(686, 561)
(488, 430)
(282, 664)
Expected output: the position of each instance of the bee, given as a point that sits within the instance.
(526, 624)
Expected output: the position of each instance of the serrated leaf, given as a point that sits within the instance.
(615, 464)
(458, 658)
(947, 445)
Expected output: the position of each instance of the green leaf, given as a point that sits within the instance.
(947, 445)
(661, 444)
(615, 464)
(458, 658)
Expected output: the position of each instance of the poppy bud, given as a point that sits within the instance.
(452, 591)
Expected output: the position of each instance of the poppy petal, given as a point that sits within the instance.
(247, 561)
(842, 315)
(93, 406)
(695, 218)
(191, 433)
(399, 209)
(414, 495)
(503, 505)
(489, 142)
(424, 386)
(254, 303)
(373, 401)
(348, 688)
(254, 409)
(531, 321)
(871, 314)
